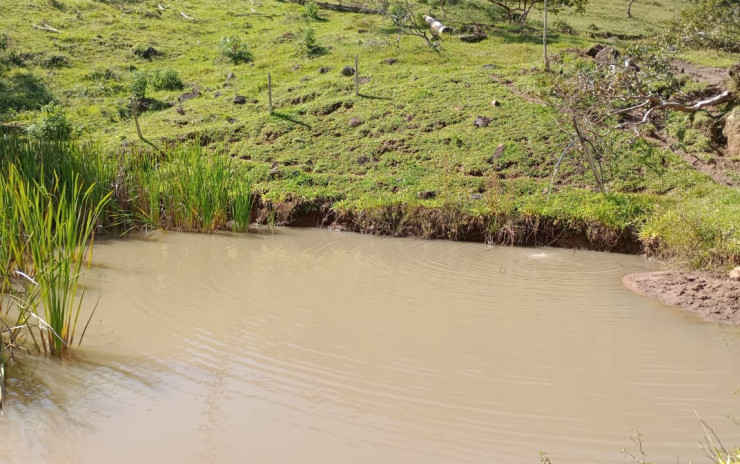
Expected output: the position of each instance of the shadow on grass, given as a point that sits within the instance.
(285, 117)
(373, 97)
(22, 92)
(492, 13)
(526, 35)
(317, 51)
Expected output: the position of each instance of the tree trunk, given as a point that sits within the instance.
(342, 8)
(629, 9)
(589, 157)
(544, 40)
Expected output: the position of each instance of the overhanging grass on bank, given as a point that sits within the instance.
(680, 214)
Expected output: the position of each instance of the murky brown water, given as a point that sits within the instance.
(312, 346)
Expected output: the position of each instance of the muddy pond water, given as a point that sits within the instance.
(312, 346)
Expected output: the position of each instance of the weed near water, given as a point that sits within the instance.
(55, 196)
(47, 234)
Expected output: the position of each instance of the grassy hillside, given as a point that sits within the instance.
(407, 145)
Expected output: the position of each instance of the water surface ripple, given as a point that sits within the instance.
(314, 346)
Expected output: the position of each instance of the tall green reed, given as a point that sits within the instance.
(52, 243)
(55, 196)
(190, 190)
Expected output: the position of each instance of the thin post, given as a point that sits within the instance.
(544, 40)
(269, 90)
(357, 76)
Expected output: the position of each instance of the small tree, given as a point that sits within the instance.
(138, 86)
(710, 24)
(51, 124)
(310, 44)
(311, 11)
(235, 49)
(408, 22)
(596, 100)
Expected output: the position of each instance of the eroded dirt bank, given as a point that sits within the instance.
(714, 298)
(450, 224)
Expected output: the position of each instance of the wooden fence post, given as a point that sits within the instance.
(269, 90)
(357, 76)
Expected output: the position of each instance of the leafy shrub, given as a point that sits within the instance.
(310, 44)
(3, 41)
(311, 11)
(51, 124)
(103, 74)
(563, 27)
(167, 79)
(235, 49)
(53, 61)
(707, 24)
(138, 86)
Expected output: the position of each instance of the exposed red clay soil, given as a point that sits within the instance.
(715, 299)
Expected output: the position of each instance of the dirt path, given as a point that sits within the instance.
(715, 299)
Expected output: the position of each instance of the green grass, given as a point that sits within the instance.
(410, 131)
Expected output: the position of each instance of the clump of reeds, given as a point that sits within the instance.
(47, 233)
(55, 196)
(187, 189)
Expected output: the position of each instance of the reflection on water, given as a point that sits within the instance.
(323, 347)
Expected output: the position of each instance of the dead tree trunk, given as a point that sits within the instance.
(342, 8)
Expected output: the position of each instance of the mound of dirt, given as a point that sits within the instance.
(713, 298)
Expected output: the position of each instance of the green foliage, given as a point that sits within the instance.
(167, 79)
(235, 49)
(3, 41)
(48, 216)
(563, 27)
(655, 74)
(707, 24)
(138, 85)
(310, 44)
(518, 10)
(51, 124)
(54, 61)
(311, 11)
(140, 49)
(408, 21)
(700, 230)
(103, 74)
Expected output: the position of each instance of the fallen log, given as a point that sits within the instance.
(45, 27)
(342, 8)
(472, 38)
(436, 27)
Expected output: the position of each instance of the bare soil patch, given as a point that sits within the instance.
(712, 297)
